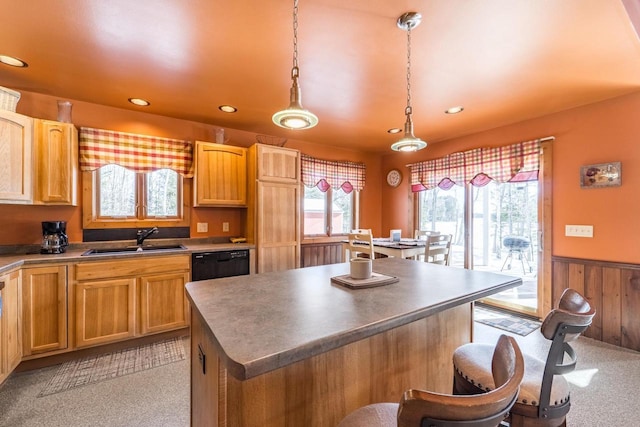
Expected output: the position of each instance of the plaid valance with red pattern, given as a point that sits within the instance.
(327, 174)
(513, 163)
(139, 153)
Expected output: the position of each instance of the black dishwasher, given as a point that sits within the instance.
(214, 265)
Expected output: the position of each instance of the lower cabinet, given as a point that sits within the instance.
(118, 300)
(104, 311)
(10, 333)
(44, 309)
(163, 304)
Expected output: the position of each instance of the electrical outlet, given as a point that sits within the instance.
(225, 226)
(203, 227)
(578, 230)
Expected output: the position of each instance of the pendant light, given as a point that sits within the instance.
(295, 116)
(409, 142)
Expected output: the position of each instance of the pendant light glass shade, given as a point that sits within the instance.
(295, 116)
(409, 142)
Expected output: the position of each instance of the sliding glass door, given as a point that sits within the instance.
(505, 231)
(503, 224)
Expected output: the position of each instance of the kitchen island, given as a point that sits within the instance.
(292, 348)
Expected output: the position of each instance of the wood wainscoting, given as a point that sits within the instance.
(612, 288)
(313, 254)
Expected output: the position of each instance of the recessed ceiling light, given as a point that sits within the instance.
(227, 108)
(139, 101)
(14, 62)
(394, 130)
(454, 110)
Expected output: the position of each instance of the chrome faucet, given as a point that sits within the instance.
(143, 234)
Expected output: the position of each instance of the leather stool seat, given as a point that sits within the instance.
(377, 414)
(471, 362)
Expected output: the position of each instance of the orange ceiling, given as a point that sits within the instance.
(503, 60)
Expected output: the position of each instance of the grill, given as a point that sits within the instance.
(516, 245)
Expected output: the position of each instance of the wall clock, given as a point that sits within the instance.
(394, 177)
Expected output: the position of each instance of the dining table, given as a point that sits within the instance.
(403, 248)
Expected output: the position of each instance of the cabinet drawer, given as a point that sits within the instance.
(131, 267)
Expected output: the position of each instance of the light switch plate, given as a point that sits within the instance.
(203, 227)
(578, 230)
(225, 226)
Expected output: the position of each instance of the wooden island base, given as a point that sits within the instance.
(321, 390)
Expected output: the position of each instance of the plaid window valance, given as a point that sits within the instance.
(513, 163)
(326, 174)
(139, 153)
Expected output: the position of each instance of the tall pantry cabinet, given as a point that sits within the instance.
(273, 207)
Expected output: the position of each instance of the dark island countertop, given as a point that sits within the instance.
(263, 322)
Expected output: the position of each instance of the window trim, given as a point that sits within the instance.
(90, 197)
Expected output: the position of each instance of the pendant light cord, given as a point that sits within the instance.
(295, 72)
(408, 109)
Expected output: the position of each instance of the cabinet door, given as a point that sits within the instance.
(104, 311)
(16, 139)
(163, 304)
(56, 153)
(278, 231)
(220, 175)
(44, 309)
(10, 332)
(278, 164)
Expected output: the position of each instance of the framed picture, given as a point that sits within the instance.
(601, 175)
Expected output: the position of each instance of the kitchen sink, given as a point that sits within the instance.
(133, 249)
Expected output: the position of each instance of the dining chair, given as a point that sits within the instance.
(423, 234)
(359, 243)
(361, 230)
(438, 249)
(419, 408)
(543, 400)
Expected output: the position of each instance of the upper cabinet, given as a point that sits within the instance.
(220, 177)
(38, 161)
(16, 139)
(277, 164)
(56, 171)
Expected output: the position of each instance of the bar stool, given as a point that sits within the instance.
(543, 400)
(427, 409)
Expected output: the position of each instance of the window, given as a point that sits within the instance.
(133, 180)
(328, 219)
(331, 190)
(126, 194)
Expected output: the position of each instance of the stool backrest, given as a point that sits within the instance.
(425, 409)
(562, 325)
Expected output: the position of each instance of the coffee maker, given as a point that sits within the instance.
(54, 237)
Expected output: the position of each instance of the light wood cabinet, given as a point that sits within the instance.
(44, 309)
(163, 304)
(118, 300)
(10, 323)
(104, 311)
(56, 171)
(220, 177)
(273, 215)
(277, 164)
(16, 157)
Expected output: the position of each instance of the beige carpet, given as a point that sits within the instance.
(102, 367)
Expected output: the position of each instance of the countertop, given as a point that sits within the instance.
(74, 253)
(266, 321)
